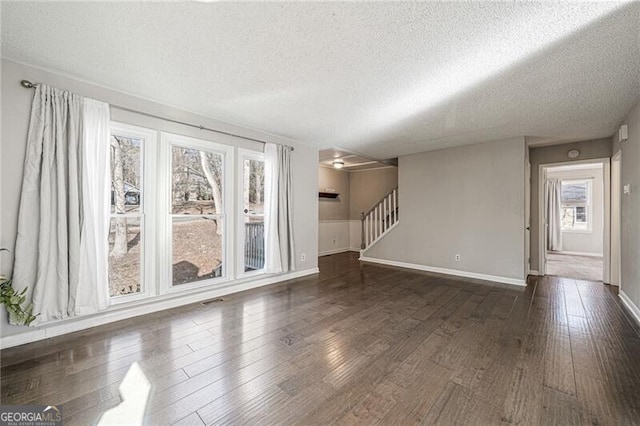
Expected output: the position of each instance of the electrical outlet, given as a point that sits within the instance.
(458, 257)
(303, 257)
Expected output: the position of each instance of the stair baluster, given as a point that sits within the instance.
(379, 219)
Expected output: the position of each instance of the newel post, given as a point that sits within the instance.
(362, 240)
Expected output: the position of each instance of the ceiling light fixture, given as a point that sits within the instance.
(338, 163)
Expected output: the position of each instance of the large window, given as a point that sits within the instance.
(576, 205)
(185, 213)
(197, 214)
(128, 199)
(198, 196)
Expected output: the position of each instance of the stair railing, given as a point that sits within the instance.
(379, 219)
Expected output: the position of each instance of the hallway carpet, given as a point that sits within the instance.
(573, 266)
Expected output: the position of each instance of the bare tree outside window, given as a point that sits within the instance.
(126, 221)
(197, 209)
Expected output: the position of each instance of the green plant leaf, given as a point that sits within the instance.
(13, 302)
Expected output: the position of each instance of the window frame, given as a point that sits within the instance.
(242, 155)
(588, 205)
(165, 215)
(148, 253)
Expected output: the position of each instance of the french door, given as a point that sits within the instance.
(250, 235)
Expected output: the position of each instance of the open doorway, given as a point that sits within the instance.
(576, 220)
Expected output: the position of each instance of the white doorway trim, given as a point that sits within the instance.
(616, 219)
(542, 225)
(527, 218)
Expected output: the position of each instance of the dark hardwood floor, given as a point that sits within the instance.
(356, 344)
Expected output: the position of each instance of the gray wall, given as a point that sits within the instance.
(368, 187)
(16, 104)
(334, 208)
(600, 148)
(630, 280)
(467, 200)
(586, 241)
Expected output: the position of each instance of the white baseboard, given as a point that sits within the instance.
(455, 272)
(121, 312)
(334, 251)
(631, 307)
(356, 249)
(534, 272)
(578, 253)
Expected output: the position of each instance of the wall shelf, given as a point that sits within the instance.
(323, 194)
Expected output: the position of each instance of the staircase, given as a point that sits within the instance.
(380, 219)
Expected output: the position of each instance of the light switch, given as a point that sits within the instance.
(627, 189)
(623, 133)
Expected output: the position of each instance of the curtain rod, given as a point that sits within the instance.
(29, 85)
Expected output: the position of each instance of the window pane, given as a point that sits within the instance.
(253, 246)
(581, 214)
(126, 182)
(197, 249)
(197, 181)
(125, 251)
(568, 215)
(575, 193)
(254, 187)
(253, 172)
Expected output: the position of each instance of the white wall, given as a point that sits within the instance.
(591, 242)
(630, 224)
(467, 200)
(16, 104)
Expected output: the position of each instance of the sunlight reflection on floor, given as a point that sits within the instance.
(134, 391)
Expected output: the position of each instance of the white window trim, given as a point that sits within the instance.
(148, 167)
(243, 154)
(589, 182)
(167, 140)
(156, 257)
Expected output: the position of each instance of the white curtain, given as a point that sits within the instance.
(64, 193)
(93, 293)
(278, 222)
(554, 215)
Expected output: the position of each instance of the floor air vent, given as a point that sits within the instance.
(208, 302)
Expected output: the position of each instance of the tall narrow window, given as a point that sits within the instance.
(197, 214)
(127, 221)
(251, 232)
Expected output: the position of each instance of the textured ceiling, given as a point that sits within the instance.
(352, 161)
(382, 79)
